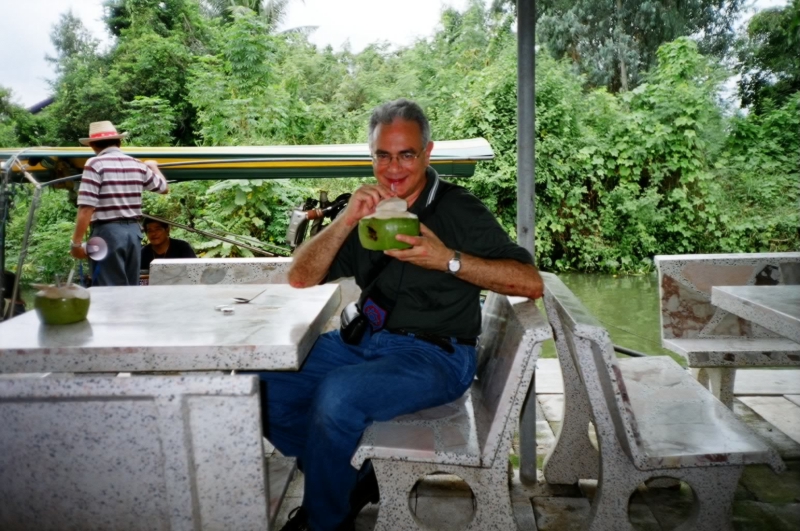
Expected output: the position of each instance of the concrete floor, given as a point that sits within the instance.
(767, 400)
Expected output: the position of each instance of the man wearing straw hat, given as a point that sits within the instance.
(110, 200)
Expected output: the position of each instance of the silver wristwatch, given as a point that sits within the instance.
(454, 265)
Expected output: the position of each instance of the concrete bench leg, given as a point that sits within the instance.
(718, 380)
(493, 511)
(572, 457)
(713, 489)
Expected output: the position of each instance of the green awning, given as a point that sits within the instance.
(454, 158)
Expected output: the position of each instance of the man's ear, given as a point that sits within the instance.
(428, 151)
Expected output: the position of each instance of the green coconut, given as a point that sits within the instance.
(377, 232)
(58, 305)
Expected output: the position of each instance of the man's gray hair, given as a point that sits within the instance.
(403, 109)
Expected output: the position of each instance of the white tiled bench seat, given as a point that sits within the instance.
(713, 341)
(470, 437)
(736, 352)
(137, 453)
(653, 420)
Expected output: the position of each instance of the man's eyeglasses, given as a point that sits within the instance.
(405, 159)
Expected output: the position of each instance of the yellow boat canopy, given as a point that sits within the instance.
(454, 158)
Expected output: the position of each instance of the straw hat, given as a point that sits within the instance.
(101, 131)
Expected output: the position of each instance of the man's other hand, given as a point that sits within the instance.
(428, 251)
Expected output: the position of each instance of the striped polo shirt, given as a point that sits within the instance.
(112, 183)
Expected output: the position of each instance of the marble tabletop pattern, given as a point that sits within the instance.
(776, 308)
(174, 328)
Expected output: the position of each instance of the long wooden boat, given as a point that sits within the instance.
(454, 158)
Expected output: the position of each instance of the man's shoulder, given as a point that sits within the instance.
(457, 197)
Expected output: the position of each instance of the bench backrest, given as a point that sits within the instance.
(144, 452)
(685, 283)
(512, 329)
(579, 336)
(220, 271)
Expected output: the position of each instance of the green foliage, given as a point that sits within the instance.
(8, 119)
(250, 208)
(84, 95)
(620, 176)
(767, 58)
(149, 121)
(614, 42)
(48, 249)
(71, 39)
(760, 174)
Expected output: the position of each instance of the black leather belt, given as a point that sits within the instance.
(443, 342)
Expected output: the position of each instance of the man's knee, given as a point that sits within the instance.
(335, 406)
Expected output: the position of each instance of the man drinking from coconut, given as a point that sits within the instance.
(419, 317)
(110, 200)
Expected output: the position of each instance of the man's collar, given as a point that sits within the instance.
(428, 193)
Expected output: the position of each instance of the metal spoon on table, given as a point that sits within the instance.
(242, 300)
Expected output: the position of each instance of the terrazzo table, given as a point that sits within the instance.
(776, 308)
(174, 328)
(153, 451)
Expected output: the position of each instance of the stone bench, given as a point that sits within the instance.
(470, 437)
(713, 341)
(143, 452)
(652, 419)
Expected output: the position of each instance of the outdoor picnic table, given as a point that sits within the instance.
(174, 328)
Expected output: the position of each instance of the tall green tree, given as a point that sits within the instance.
(83, 93)
(614, 42)
(272, 12)
(157, 43)
(768, 58)
(71, 39)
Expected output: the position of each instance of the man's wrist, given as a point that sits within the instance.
(74, 245)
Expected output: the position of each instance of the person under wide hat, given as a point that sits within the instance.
(110, 203)
(104, 130)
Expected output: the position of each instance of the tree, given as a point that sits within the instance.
(272, 12)
(82, 91)
(8, 111)
(71, 39)
(767, 58)
(615, 41)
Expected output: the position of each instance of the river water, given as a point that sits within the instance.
(626, 305)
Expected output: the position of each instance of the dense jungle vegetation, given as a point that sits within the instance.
(637, 153)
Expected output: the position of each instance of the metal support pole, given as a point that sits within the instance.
(4, 207)
(526, 206)
(23, 251)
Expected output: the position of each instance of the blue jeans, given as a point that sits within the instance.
(120, 267)
(319, 413)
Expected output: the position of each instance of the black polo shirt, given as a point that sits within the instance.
(427, 301)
